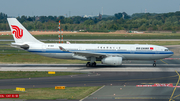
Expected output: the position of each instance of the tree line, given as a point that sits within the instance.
(119, 21)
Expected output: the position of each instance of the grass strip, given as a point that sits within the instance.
(29, 58)
(51, 93)
(31, 74)
(106, 36)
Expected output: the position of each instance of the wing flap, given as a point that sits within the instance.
(88, 54)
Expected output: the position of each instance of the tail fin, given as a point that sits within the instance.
(20, 34)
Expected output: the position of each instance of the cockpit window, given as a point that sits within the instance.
(166, 50)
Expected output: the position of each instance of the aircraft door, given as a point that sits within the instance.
(80, 48)
(157, 49)
(43, 48)
(132, 49)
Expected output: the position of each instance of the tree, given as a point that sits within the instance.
(118, 15)
(142, 28)
(114, 27)
(88, 22)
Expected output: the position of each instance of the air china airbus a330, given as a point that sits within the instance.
(110, 54)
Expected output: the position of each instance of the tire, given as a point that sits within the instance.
(88, 64)
(154, 64)
(94, 64)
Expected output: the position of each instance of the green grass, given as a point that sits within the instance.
(107, 36)
(51, 93)
(34, 58)
(114, 36)
(30, 74)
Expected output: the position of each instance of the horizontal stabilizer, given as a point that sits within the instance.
(23, 46)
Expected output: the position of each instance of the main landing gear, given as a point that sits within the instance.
(91, 64)
(154, 64)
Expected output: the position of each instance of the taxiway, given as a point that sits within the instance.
(119, 81)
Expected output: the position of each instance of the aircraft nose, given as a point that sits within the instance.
(171, 53)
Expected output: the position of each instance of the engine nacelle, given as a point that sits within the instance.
(112, 61)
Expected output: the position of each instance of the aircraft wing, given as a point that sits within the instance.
(88, 54)
(84, 53)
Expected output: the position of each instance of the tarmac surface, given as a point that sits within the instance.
(133, 92)
(165, 65)
(92, 79)
(117, 85)
(119, 82)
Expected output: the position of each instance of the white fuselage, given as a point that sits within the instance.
(126, 51)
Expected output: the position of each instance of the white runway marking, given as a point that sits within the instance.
(82, 68)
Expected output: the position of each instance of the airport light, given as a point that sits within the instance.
(51, 72)
(20, 89)
(59, 87)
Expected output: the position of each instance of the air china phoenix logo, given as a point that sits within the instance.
(17, 31)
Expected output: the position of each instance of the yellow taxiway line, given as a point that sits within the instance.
(163, 61)
(175, 87)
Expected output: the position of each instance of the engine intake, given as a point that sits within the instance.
(112, 61)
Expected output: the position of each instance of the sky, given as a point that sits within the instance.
(85, 7)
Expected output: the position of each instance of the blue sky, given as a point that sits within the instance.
(85, 7)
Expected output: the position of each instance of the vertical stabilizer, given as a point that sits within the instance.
(20, 34)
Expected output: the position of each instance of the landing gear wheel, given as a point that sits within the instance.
(94, 64)
(154, 64)
(88, 64)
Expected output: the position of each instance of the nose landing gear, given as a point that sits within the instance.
(154, 64)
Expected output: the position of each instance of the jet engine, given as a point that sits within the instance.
(112, 61)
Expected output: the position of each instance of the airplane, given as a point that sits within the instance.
(109, 54)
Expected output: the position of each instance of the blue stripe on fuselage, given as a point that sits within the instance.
(102, 51)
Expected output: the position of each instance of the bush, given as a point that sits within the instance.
(173, 31)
